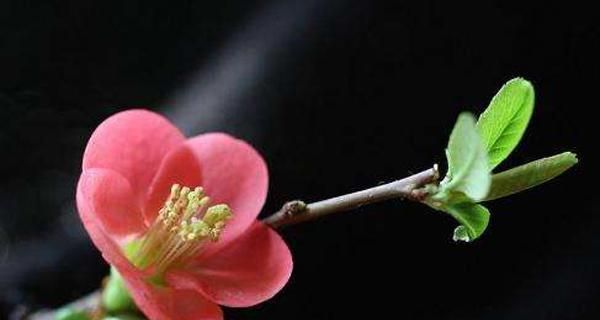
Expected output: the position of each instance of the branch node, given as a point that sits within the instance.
(293, 208)
(418, 195)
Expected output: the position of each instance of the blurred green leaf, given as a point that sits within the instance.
(468, 169)
(530, 175)
(69, 313)
(115, 296)
(474, 219)
(503, 123)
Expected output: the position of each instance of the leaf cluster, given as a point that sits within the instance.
(477, 147)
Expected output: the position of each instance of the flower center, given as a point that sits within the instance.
(183, 226)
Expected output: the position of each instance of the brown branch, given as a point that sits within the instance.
(298, 211)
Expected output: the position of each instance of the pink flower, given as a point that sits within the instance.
(130, 164)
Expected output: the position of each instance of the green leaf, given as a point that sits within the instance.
(468, 169)
(530, 175)
(503, 123)
(69, 313)
(115, 296)
(474, 219)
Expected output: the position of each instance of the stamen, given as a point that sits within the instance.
(182, 227)
(215, 218)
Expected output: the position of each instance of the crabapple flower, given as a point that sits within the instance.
(177, 217)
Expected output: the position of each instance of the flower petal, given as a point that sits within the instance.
(109, 197)
(95, 227)
(163, 303)
(232, 173)
(179, 166)
(250, 270)
(132, 143)
(156, 302)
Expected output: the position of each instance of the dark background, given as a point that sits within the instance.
(337, 95)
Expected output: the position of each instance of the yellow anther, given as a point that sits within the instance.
(182, 199)
(216, 217)
(195, 201)
(181, 204)
(194, 197)
(183, 225)
(219, 225)
(216, 214)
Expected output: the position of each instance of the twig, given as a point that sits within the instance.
(297, 211)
